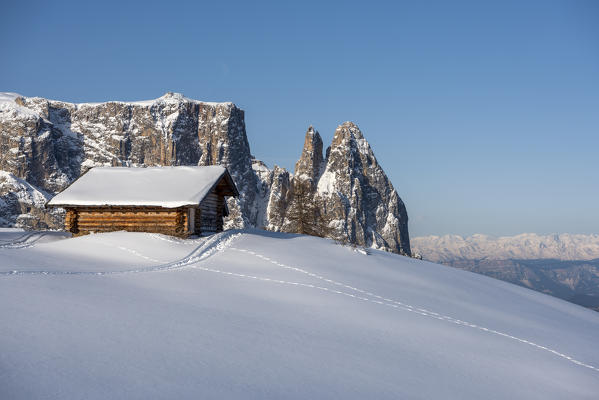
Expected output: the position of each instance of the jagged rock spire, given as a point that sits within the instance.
(309, 166)
(359, 198)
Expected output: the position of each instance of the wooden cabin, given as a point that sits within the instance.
(177, 201)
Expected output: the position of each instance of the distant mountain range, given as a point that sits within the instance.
(526, 246)
(564, 265)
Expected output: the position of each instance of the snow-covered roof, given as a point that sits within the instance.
(168, 187)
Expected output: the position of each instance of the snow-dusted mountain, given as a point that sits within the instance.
(22, 204)
(49, 143)
(565, 265)
(348, 188)
(523, 247)
(256, 314)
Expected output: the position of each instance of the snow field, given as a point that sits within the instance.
(265, 315)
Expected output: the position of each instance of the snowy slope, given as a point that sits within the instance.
(255, 314)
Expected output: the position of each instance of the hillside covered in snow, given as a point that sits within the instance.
(256, 314)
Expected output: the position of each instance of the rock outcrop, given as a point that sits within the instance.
(353, 194)
(311, 163)
(47, 144)
(22, 205)
(365, 206)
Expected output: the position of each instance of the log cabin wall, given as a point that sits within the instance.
(208, 212)
(212, 212)
(70, 221)
(85, 220)
(198, 221)
(220, 211)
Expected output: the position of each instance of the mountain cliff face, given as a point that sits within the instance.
(51, 143)
(47, 144)
(360, 197)
(22, 204)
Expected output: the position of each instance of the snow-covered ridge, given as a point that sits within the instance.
(167, 98)
(525, 246)
(8, 96)
(9, 108)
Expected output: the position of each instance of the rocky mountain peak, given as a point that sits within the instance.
(310, 164)
(173, 97)
(359, 197)
(349, 157)
(349, 140)
(348, 130)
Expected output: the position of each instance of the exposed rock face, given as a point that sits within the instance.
(311, 164)
(22, 205)
(350, 189)
(360, 196)
(279, 198)
(48, 144)
(359, 200)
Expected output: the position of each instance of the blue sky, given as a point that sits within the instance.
(485, 115)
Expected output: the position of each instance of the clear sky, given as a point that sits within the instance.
(484, 114)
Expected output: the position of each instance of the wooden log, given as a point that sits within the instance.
(136, 219)
(125, 218)
(71, 220)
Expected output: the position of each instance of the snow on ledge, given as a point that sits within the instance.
(168, 98)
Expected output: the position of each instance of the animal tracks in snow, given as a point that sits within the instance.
(219, 242)
(22, 241)
(365, 295)
(213, 244)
